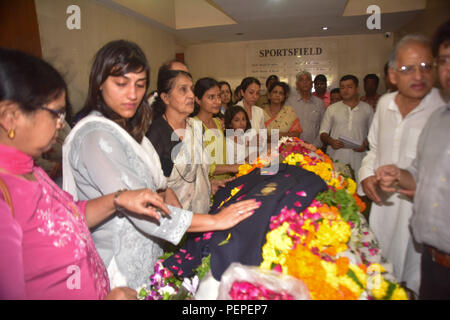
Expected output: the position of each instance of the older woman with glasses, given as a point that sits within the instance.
(46, 249)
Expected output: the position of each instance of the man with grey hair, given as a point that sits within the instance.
(393, 135)
(309, 109)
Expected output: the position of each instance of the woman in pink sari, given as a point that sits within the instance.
(46, 250)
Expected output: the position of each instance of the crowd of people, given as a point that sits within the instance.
(137, 170)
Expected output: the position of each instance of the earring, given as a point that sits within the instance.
(11, 134)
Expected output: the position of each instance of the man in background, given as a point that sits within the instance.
(309, 109)
(335, 96)
(371, 96)
(320, 89)
(350, 118)
(263, 98)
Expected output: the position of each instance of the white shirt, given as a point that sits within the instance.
(257, 120)
(393, 140)
(340, 119)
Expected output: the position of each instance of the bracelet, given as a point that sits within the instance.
(116, 196)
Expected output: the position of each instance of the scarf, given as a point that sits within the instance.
(15, 161)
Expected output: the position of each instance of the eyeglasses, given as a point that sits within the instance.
(424, 67)
(59, 114)
(443, 61)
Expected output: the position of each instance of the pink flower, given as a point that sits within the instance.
(297, 204)
(207, 235)
(301, 193)
(197, 239)
(278, 268)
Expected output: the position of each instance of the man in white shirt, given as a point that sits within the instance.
(393, 135)
(350, 118)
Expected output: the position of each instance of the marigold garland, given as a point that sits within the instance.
(309, 244)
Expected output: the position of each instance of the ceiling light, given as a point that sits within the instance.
(324, 28)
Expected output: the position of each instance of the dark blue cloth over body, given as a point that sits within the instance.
(283, 189)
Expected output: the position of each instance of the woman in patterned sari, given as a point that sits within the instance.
(277, 116)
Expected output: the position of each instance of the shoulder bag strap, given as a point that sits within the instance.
(6, 195)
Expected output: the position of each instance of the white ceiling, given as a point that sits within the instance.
(277, 19)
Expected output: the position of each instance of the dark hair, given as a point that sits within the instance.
(246, 82)
(441, 36)
(29, 81)
(118, 58)
(270, 78)
(221, 83)
(166, 81)
(231, 112)
(335, 90)
(372, 76)
(350, 77)
(320, 77)
(283, 85)
(201, 86)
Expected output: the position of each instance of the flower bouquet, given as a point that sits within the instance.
(328, 246)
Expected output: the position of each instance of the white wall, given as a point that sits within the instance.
(355, 54)
(72, 51)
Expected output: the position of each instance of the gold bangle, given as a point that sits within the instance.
(116, 196)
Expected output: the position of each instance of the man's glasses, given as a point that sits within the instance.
(60, 114)
(424, 67)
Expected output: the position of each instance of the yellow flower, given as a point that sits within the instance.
(360, 274)
(349, 283)
(380, 287)
(375, 267)
(351, 186)
(399, 294)
(331, 233)
(277, 247)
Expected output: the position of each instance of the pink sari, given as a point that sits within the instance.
(46, 249)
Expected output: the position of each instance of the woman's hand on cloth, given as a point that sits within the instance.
(143, 201)
(235, 213)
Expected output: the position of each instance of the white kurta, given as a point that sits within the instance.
(393, 139)
(99, 157)
(340, 119)
(257, 120)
